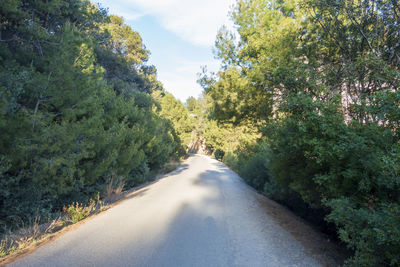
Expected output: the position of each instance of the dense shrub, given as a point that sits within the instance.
(252, 165)
(323, 77)
(75, 108)
(219, 154)
(176, 112)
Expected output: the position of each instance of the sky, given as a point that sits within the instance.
(180, 35)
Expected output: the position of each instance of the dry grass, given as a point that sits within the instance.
(16, 242)
(27, 238)
(114, 189)
(24, 238)
(171, 165)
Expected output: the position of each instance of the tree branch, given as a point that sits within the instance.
(38, 101)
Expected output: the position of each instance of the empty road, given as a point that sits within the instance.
(202, 214)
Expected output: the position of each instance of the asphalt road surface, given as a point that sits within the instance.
(202, 214)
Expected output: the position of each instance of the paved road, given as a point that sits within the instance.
(202, 214)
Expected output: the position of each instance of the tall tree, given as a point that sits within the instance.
(323, 76)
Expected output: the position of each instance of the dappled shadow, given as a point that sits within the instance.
(140, 191)
(181, 168)
(137, 194)
(198, 146)
(207, 178)
(195, 238)
(211, 218)
(195, 234)
(316, 245)
(215, 178)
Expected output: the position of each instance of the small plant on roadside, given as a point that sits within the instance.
(171, 165)
(30, 235)
(5, 248)
(114, 188)
(9, 246)
(219, 154)
(77, 211)
(100, 205)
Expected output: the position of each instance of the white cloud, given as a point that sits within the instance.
(195, 21)
(130, 16)
(181, 80)
(181, 90)
(121, 8)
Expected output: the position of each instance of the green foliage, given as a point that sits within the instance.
(252, 165)
(370, 228)
(198, 113)
(174, 111)
(320, 80)
(219, 154)
(124, 42)
(227, 137)
(75, 108)
(227, 95)
(77, 212)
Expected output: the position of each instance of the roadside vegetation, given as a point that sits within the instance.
(82, 115)
(306, 109)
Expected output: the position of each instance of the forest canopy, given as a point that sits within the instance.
(76, 110)
(315, 84)
(305, 107)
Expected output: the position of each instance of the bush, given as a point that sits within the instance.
(219, 154)
(77, 211)
(342, 177)
(371, 229)
(74, 110)
(348, 170)
(252, 165)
